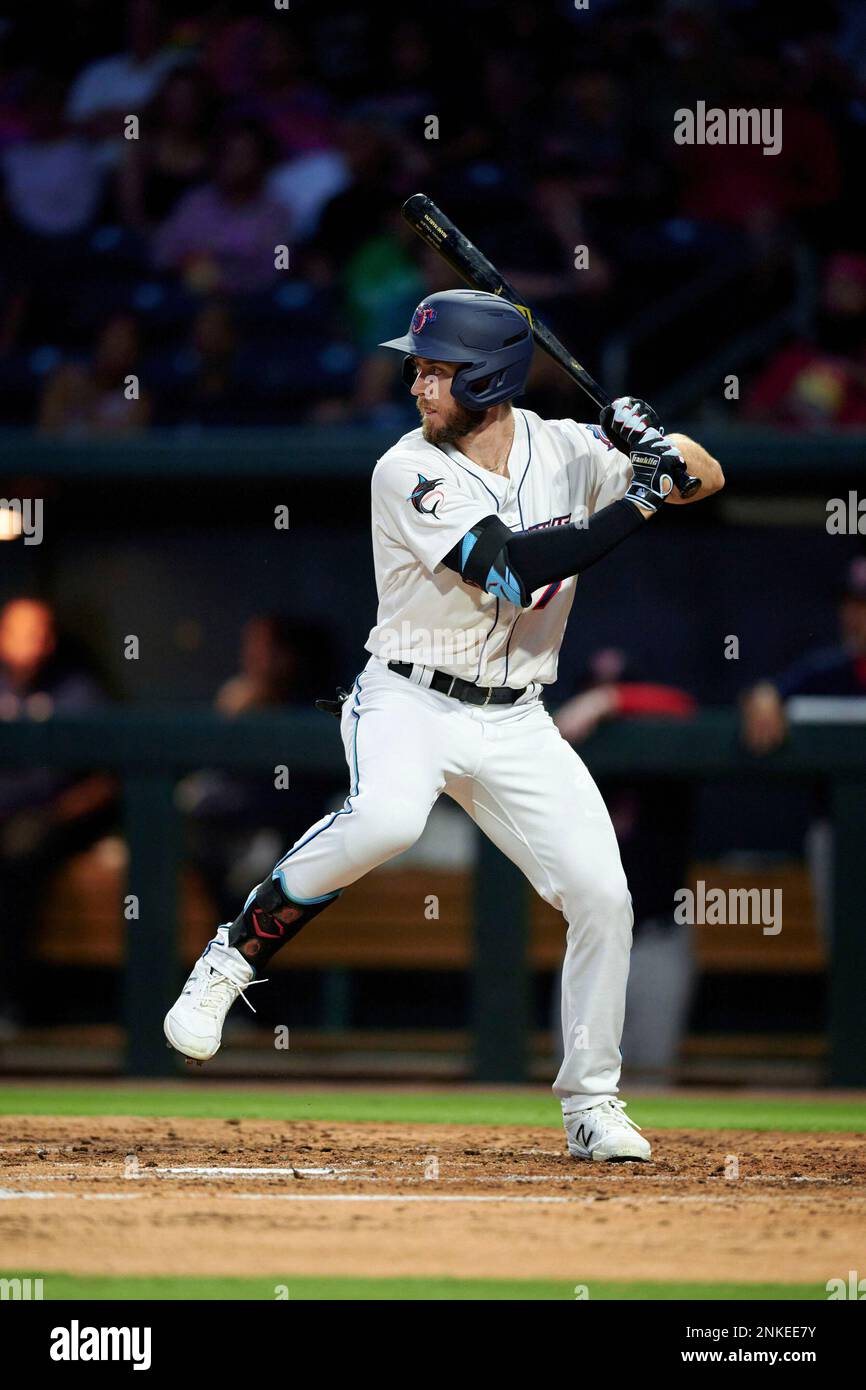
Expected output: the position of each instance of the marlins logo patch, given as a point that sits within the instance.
(426, 495)
(424, 314)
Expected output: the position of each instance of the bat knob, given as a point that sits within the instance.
(690, 486)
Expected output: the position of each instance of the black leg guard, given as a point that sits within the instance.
(269, 920)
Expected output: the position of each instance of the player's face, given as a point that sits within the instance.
(443, 420)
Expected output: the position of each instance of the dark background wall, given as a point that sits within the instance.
(183, 566)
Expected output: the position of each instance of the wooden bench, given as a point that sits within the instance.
(727, 949)
(384, 921)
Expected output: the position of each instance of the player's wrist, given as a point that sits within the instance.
(639, 503)
(646, 512)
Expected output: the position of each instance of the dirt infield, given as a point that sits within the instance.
(104, 1195)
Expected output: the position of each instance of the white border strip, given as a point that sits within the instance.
(462, 1197)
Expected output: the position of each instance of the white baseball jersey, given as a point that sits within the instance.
(506, 765)
(424, 500)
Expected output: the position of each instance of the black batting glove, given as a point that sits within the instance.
(630, 424)
(335, 706)
(655, 473)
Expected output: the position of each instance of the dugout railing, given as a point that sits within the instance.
(751, 454)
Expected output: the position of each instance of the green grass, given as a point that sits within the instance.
(457, 1106)
(306, 1288)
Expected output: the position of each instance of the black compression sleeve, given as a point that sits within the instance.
(551, 553)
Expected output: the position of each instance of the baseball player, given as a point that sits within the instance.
(482, 520)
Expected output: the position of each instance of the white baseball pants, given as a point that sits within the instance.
(528, 790)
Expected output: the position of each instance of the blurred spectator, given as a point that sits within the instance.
(46, 815)
(373, 156)
(223, 237)
(653, 821)
(241, 824)
(740, 185)
(14, 83)
(362, 245)
(540, 239)
(412, 91)
(588, 130)
(545, 256)
(382, 285)
(231, 52)
(295, 111)
(124, 84)
(52, 180)
(35, 680)
(821, 382)
(502, 117)
(836, 672)
(303, 186)
(839, 670)
(104, 397)
(275, 667)
(172, 154)
(205, 387)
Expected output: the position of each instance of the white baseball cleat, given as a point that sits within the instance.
(605, 1133)
(194, 1023)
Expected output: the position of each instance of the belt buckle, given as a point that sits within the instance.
(451, 686)
(487, 699)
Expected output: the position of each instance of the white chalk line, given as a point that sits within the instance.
(218, 1172)
(142, 1173)
(8, 1194)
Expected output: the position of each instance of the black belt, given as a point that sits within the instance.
(459, 689)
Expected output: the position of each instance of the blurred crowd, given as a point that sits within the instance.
(153, 157)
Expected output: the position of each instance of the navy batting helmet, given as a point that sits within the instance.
(487, 334)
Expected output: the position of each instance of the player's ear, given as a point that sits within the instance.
(410, 371)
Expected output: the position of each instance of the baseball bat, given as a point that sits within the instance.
(439, 232)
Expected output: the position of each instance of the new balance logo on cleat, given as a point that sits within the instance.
(605, 1134)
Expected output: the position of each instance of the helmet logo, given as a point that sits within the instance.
(424, 314)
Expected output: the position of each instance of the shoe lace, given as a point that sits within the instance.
(220, 991)
(616, 1109)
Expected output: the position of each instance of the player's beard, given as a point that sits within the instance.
(461, 423)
